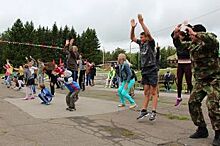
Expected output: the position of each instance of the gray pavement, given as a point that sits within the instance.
(96, 122)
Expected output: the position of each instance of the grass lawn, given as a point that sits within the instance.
(162, 72)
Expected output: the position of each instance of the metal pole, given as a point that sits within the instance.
(103, 55)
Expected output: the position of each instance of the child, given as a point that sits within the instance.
(29, 80)
(111, 76)
(149, 68)
(127, 80)
(40, 73)
(73, 88)
(45, 95)
(93, 73)
(18, 83)
(9, 69)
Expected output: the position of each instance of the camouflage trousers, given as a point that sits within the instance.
(211, 89)
(71, 98)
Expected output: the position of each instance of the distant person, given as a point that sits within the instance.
(111, 75)
(33, 69)
(29, 81)
(88, 73)
(92, 73)
(8, 72)
(128, 80)
(45, 95)
(167, 79)
(72, 57)
(40, 73)
(82, 68)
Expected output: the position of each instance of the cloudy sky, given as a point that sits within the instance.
(111, 18)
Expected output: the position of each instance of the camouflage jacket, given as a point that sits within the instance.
(205, 58)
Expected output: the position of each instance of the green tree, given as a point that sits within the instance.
(116, 53)
(89, 46)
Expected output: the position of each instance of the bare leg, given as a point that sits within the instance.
(153, 91)
(147, 96)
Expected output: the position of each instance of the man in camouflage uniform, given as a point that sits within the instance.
(206, 68)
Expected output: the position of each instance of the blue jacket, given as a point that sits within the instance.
(46, 92)
(72, 87)
(125, 72)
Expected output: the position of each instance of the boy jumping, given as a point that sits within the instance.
(149, 69)
(73, 88)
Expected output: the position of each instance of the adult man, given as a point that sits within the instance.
(72, 57)
(149, 69)
(205, 60)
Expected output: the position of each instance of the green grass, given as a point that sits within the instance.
(162, 72)
(177, 117)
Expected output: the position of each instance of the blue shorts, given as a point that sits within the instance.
(151, 80)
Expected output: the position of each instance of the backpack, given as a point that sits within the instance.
(133, 75)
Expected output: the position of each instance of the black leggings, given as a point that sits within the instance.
(181, 69)
(53, 81)
(82, 79)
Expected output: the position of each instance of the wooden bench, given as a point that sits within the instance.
(161, 80)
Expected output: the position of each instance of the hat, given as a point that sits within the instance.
(67, 73)
(199, 28)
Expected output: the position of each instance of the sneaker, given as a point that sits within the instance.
(152, 116)
(43, 102)
(70, 109)
(47, 103)
(143, 114)
(121, 105)
(132, 106)
(178, 101)
(26, 98)
(32, 97)
(201, 132)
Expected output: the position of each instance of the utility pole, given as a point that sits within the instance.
(103, 58)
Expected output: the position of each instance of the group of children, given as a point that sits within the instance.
(201, 50)
(33, 71)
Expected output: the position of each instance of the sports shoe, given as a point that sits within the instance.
(32, 97)
(143, 114)
(201, 132)
(152, 116)
(26, 98)
(132, 106)
(121, 105)
(70, 109)
(178, 101)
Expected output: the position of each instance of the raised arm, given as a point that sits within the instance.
(207, 38)
(66, 47)
(176, 31)
(133, 25)
(145, 28)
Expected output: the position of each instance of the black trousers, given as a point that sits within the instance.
(181, 70)
(82, 79)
